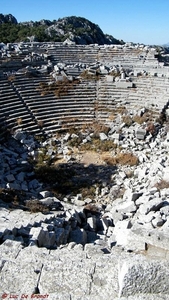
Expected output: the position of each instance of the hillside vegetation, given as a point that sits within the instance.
(76, 29)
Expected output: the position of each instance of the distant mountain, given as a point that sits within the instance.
(79, 30)
(73, 29)
(166, 45)
(8, 19)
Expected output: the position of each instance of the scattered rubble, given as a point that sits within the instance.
(136, 221)
(77, 220)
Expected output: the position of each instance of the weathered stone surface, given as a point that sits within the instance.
(103, 136)
(141, 133)
(78, 236)
(140, 275)
(87, 281)
(20, 275)
(152, 205)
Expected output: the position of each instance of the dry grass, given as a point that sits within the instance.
(128, 159)
(148, 116)
(112, 117)
(127, 120)
(97, 145)
(88, 76)
(59, 88)
(96, 128)
(139, 119)
(129, 173)
(120, 110)
(19, 121)
(35, 206)
(115, 73)
(163, 184)
(11, 77)
(40, 123)
(151, 128)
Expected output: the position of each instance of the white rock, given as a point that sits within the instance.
(91, 221)
(140, 275)
(103, 136)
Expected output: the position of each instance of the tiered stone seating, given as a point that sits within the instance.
(73, 109)
(127, 57)
(15, 112)
(23, 105)
(119, 55)
(73, 54)
(110, 99)
(150, 92)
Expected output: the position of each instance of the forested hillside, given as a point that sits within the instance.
(76, 29)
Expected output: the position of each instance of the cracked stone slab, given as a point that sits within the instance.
(21, 275)
(9, 250)
(80, 274)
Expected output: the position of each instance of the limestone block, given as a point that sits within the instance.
(78, 236)
(60, 236)
(91, 221)
(47, 201)
(51, 240)
(21, 272)
(151, 236)
(59, 222)
(10, 178)
(66, 137)
(116, 216)
(104, 191)
(33, 184)
(76, 216)
(103, 136)
(146, 218)
(45, 194)
(140, 133)
(78, 202)
(152, 205)
(40, 236)
(122, 175)
(14, 186)
(157, 222)
(24, 186)
(19, 135)
(165, 209)
(121, 232)
(126, 207)
(140, 275)
(165, 192)
(142, 199)
(10, 249)
(106, 222)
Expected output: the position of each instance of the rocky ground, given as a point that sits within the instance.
(85, 215)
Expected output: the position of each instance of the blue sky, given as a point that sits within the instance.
(142, 21)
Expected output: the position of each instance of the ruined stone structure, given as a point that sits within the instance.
(126, 78)
(113, 244)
